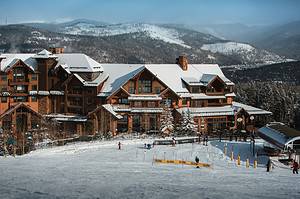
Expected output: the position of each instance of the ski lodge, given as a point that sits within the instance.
(77, 95)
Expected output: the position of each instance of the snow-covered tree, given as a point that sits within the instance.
(166, 119)
(186, 125)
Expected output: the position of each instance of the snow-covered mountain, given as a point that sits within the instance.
(132, 43)
(248, 53)
(169, 35)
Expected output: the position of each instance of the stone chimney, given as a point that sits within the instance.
(56, 50)
(182, 62)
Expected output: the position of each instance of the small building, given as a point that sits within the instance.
(281, 138)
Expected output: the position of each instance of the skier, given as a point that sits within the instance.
(119, 145)
(197, 161)
(269, 165)
(173, 141)
(295, 167)
(206, 140)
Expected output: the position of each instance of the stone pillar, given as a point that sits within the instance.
(28, 121)
(79, 129)
(129, 125)
(95, 123)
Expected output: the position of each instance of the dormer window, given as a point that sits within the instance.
(195, 89)
(211, 89)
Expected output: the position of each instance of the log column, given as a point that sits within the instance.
(129, 124)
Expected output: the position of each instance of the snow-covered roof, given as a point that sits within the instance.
(146, 110)
(192, 75)
(43, 93)
(230, 95)
(279, 134)
(44, 54)
(133, 97)
(118, 74)
(207, 111)
(101, 77)
(250, 109)
(66, 118)
(32, 92)
(9, 60)
(78, 62)
(110, 109)
(204, 96)
(5, 93)
(54, 92)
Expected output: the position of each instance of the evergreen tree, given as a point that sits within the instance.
(166, 118)
(186, 125)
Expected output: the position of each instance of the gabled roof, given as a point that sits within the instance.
(10, 59)
(44, 54)
(192, 75)
(250, 109)
(78, 62)
(19, 105)
(119, 74)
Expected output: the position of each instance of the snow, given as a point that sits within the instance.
(227, 47)
(98, 170)
(247, 52)
(168, 35)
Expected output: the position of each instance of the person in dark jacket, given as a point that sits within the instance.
(197, 161)
(119, 145)
(269, 164)
(295, 167)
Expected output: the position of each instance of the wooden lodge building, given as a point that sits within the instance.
(86, 97)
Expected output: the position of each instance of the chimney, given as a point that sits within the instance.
(182, 62)
(57, 50)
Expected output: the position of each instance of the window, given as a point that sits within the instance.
(33, 99)
(123, 101)
(4, 88)
(184, 101)
(197, 103)
(214, 101)
(144, 86)
(157, 90)
(76, 90)
(4, 77)
(34, 77)
(19, 88)
(131, 89)
(34, 87)
(20, 99)
(210, 89)
(137, 104)
(151, 104)
(90, 91)
(3, 99)
(195, 90)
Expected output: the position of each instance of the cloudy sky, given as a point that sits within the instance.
(251, 12)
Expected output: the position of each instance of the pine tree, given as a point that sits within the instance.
(166, 118)
(186, 125)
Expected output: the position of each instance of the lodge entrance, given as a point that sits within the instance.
(122, 124)
(215, 124)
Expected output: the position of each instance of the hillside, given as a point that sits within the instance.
(129, 43)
